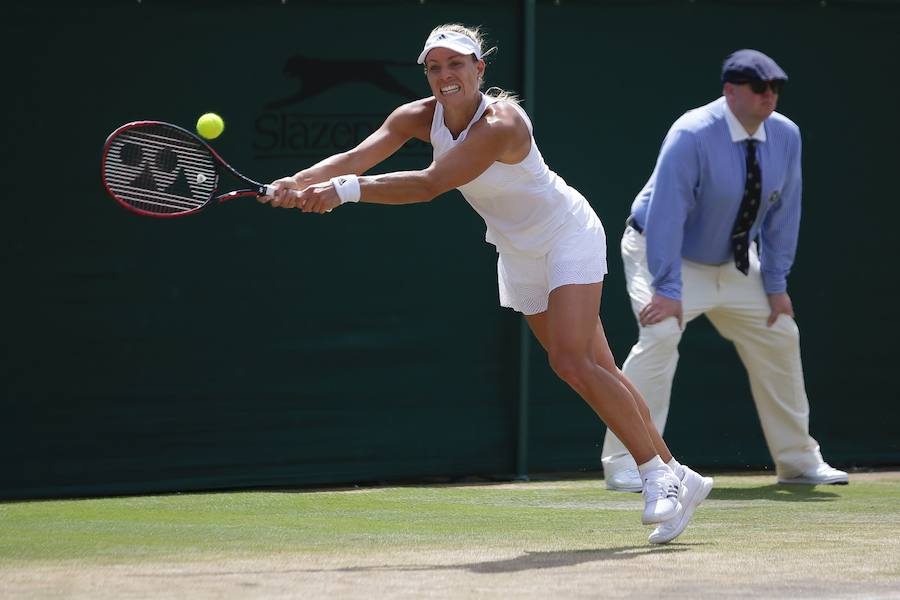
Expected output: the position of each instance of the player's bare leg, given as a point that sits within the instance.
(604, 357)
(696, 487)
(567, 331)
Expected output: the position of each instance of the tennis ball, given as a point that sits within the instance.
(210, 126)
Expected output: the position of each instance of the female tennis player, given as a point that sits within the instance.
(551, 245)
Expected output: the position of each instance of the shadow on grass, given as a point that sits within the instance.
(779, 493)
(533, 560)
(526, 562)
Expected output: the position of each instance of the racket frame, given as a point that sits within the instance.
(255, 188)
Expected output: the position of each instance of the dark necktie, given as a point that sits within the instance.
(740, 235)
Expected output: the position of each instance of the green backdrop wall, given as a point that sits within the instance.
(248, 346)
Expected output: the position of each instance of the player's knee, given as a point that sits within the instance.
(570, 366)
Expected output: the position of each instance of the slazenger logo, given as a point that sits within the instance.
(284, 130)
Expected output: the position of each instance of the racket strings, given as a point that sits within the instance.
(159, 169)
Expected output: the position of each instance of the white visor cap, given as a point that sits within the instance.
(458, 42)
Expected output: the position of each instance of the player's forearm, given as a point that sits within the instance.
(339, 164)
(401, 187)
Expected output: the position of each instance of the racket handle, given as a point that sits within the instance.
(269, 190)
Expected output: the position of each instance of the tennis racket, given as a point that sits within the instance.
(161, 170)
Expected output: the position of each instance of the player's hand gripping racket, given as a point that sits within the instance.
(161, 170)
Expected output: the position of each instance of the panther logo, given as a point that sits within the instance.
(316, 75)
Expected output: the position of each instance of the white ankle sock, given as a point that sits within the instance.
(676, 468)
(651, 465)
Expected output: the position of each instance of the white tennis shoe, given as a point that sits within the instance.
(626, 480)
(696, 489)
(662, 492)
(824, 474)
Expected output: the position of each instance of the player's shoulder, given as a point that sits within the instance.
(413, 116)
(503, 114)
(423, 107)
(502, 121)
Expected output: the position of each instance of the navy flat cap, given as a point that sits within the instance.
(746, 65)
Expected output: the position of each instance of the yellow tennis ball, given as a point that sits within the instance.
(210, 126)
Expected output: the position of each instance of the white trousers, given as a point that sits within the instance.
(738, 307)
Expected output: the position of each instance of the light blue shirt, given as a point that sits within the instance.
(689, 205)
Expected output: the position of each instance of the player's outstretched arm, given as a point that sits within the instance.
(408, 121)
(500, 136)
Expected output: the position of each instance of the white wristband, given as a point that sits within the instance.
(347, 188)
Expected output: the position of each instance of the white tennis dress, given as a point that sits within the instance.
(546, 233)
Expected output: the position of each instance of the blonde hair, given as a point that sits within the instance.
(476, 35)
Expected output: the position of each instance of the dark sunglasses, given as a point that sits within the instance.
(759, 87)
